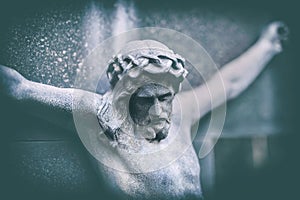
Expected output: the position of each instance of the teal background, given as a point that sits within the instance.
(40, 160)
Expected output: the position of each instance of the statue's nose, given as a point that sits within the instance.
(155, 109)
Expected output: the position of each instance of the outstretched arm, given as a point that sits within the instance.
(237, 75)
(48, 102)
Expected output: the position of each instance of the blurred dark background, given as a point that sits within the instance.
(46, 41)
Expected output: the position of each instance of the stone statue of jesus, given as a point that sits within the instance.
(141, 122)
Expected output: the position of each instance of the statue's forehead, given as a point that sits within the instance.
(152, 89)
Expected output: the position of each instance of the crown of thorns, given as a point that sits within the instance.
(168, 61)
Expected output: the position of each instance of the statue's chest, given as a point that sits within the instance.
(179, 179)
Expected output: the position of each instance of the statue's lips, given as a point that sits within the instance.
(159, 123)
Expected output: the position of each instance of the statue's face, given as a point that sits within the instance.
(151, 106)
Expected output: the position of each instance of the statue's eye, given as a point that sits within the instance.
(145, 100)
(165, 97)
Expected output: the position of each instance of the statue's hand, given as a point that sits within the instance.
(275, 33)
(10, 82)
